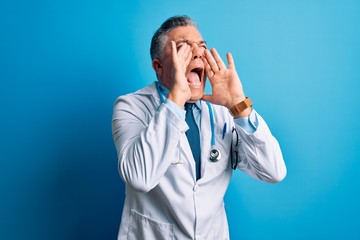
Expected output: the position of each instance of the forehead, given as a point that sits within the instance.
(189, 33)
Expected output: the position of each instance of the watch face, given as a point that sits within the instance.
(240, 107)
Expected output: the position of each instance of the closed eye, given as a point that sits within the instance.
(179, 46)
(203, 46)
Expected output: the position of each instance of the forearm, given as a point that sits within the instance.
(145, 150)
(260, 153)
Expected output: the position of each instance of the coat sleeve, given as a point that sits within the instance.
(260, 154)
(146, 139)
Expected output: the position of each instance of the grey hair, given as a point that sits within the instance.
(159, 39)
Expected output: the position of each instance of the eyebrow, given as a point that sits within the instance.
(188, 42)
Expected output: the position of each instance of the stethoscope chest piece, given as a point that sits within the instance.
(215, 155)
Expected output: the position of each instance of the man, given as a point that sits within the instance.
(177, 170)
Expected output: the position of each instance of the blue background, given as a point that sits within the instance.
(63, 63)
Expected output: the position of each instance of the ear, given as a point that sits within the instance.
(156, 65)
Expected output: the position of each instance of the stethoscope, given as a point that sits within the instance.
(214, 154)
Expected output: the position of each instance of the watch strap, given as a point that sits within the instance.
(241, 106)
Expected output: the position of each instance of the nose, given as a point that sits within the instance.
(197, 51)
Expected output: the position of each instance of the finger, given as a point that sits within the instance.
(188, 59)
(181, 58)
(184, 49)
(174, 56)
(184, 53)
(204, 61)
(185, 57)
(218, 59)
(230, 60)
(209, 72)
(207, 98)
(211, 61)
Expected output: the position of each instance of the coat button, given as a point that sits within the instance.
(196, 187)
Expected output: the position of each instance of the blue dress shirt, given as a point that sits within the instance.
(249, 124)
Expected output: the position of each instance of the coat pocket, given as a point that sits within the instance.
(142, 227)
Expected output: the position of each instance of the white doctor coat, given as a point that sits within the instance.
(163, 199)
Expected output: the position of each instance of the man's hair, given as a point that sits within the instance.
(159, 39)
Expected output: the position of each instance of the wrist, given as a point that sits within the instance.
(176, 99)
(235, 101)
(242, 109)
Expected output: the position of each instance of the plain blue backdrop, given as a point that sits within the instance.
(63, 63)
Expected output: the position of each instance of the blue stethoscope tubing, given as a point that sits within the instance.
(214, 153)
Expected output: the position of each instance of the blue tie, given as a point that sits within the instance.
(193, 137)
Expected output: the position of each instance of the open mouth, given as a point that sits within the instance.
(195, 76)
(198, 71)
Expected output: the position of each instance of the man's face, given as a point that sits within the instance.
(195, 73)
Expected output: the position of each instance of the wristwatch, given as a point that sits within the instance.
(240, 107)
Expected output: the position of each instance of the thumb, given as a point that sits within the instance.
(207, 98)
